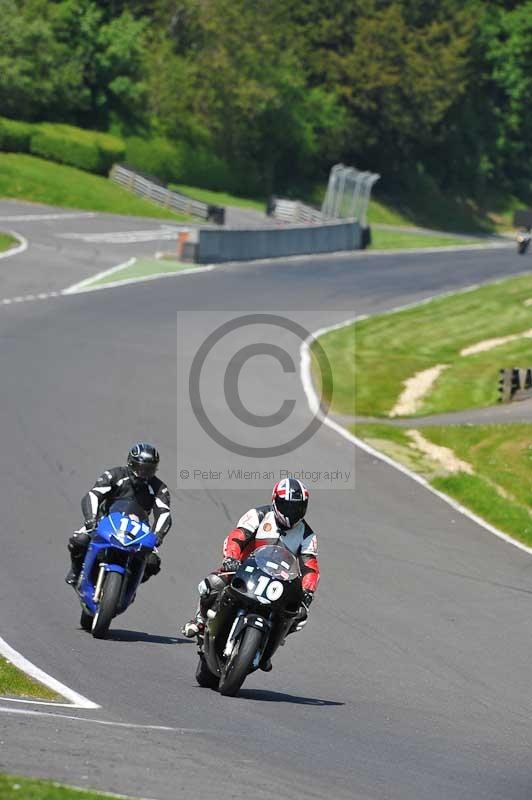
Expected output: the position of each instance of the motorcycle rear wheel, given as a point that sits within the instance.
(240, 662)
(204, 676)
(107, 605)
(86, 621)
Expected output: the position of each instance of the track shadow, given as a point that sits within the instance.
(118, 635)
(279, 697)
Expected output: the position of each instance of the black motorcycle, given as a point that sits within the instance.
(523, 241)
(250, 619)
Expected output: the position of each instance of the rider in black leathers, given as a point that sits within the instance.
(136, 481)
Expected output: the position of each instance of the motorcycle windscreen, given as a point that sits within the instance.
(277, 561)
(127, 507)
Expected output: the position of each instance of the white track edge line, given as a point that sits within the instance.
(76, 287)
(314, 405)
(27, 712)
(79, 289)
(18, 660)
(45, 217)
(14, 251)
(27, 702)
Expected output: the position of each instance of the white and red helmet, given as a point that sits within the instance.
(289, 501)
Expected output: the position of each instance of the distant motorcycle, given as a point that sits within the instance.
(250, 620)
(523, 241)
(114, 565)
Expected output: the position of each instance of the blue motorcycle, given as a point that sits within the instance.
(114, 565)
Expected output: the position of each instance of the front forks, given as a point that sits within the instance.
(99, 584)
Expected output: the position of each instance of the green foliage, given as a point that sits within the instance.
(88, 150)
(64, 60)
(30, 178)
(14, 683)
(499, 489)
(13, 787)
(15, 136)
(7, 242)
(372, 359)
(178, 162)
(218, 198)
(254, 97)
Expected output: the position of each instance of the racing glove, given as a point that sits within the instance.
(230, 564)
(308, 597)
(301, 618)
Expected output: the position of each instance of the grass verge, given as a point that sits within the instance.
(14, 683)
(7, 242)
(15, 788)
(498, 490)
(395, 240)
(141, 268)
(29, 178)
(372, 359)
(218, 198)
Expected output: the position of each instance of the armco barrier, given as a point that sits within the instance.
(152, 189)
(245, 245)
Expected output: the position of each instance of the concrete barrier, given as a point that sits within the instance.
(245, 245)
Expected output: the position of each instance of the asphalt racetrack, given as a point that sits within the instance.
(412, 679)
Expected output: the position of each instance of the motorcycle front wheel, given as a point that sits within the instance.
(107, 605)
(240, 661)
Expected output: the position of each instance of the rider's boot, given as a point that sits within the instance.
(266, 666)
(77, 545)
(72, 576)
(194, 627)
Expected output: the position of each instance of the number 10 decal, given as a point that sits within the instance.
(274, 589)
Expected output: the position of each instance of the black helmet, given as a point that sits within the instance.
(143, 460)
(289, 502)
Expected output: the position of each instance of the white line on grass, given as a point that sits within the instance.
(76, 287)
(86, 285)
(14, 251)
(18, 660)
(314, 405)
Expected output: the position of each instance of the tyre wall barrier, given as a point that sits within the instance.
(245, 245)
(515, 384)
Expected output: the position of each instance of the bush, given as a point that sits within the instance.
(112, 150)
(87, 150)
(203, 168)
(178, 163)
(156, 157)
(15, 136)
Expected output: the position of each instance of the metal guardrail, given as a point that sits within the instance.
(165, 197)
(294, 211)
(515, 384)
(348, 193)
(347, 197)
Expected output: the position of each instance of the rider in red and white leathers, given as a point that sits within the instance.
(282, 521)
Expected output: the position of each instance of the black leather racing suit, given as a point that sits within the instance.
(114, 484)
